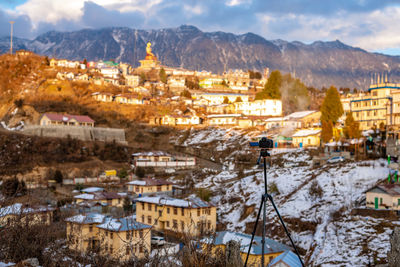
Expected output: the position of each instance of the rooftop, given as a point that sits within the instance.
(306, 132)
(98, 196)
(68, 117)
(18, 209)
(299, 114)
(151, 154)
(288, 258)
(391, 189)
(149, 182)
(191, 202)
(87, 219)
(271, 246)
(123, 224)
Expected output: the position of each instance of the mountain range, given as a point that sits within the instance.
(317, 64)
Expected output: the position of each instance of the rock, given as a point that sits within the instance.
(394, 253)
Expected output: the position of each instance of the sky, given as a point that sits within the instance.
(369, 24)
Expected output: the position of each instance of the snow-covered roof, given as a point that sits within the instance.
(288, 257)
(191, 202)
(98, 196)
(123, 224)
(275, 119)
(299, 114)
(84, 196)
(18, 208)
(271, 246)
(306, 132)
(92, 189)
(87, 219)
(149, 182)
(151, 154)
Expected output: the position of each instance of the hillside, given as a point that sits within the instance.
(317, 64)
(316, 203)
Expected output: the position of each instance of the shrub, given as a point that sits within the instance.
(140, 172)
(273, 188)
(315, 189)
(204, 193)
(122, 173)
(13, 187)
(19, 103)
(58, 177)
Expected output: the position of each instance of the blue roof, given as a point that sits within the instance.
(271, 246)
(287, 257)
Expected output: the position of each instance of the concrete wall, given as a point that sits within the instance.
(78, 132)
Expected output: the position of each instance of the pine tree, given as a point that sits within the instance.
(327, 131)
(331, 108)
(352, 128)
(272, 87)
(163, 75)
(238, 99)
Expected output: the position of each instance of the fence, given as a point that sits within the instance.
(90, 180)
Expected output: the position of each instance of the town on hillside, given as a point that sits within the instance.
(104, 164)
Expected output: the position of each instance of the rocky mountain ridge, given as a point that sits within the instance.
(317, 64)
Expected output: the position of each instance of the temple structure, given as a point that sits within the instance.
(150, 61)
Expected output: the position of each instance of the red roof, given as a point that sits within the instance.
(67, 117)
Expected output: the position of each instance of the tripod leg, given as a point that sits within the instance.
(263, 230)
(254, 229)
(286, 230)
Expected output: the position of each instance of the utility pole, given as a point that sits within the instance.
(11, 39)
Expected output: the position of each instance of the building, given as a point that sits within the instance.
(219, 98)
(272, 248)
(110, 198)
(265, 107)
(272, 123)
(23, 53)
(110, 72)
(302, 119)
(306, 138)
(103, 96)
(20, 213)
(238, 80)
(148, 186)
(181, 120)
(286, 259)
(383, 196)
(162, 159)
(211, 82)
(66, 119)
(381, 104)
(124, 238)
(223, 119)
(176, 83)
(132, 80)
(119, 238)
(128, 99)
(192, 216)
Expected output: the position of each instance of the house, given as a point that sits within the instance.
(125, 238)
(66, 119)
(176, 83)
(286, 259)
(65, 76)
(272, 123)
(103, 97)
(179, 120)
(148, 186)
(162, 159)
(181, 216)
(128, 99)
(272, 248)
(20, 213)
(302, 119)
(132, 80)
(110, 72)
(219, 98)
(238, 80)
(265, 107)
(210, 82)
(306, 138)
(23, 53)
(83, 77)
(110, 198)
(383, 196)
(250, 121)
(223, 119)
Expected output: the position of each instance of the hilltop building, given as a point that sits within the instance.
(150, 61)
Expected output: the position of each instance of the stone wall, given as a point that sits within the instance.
(78, 132)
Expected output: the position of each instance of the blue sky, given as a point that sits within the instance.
(369, 24)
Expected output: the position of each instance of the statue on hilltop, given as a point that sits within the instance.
(148, 51)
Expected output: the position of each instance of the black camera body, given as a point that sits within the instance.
(264, 143)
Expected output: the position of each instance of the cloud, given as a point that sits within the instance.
(369, 24)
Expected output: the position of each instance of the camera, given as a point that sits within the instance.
(263, 143)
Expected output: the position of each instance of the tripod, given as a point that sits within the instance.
(263, 206)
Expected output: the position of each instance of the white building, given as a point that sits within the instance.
(223, 119)
(265, 107)
(110, 72)
(132, 80)
(218, 98)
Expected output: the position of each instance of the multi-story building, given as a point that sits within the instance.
(148, 186)
(20, 213)
(191, 216)
(381, 104)
(238, 80)
(119, 238)
(218, 98)
(266, 107)
(66, 119)
(107, 198)
(132, 80)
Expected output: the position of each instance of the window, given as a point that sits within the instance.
(167, 223)
(209, 225)
(175, 224)
(143, 206)
(106, 233)
(182, 225)
(168, 210)
(111, 249)
(90, 228)
(381, 201)
(175, 211)
(198, 212)
(158, 188)
(149, 219)
(149, 206)
(127, 250)
(141, 233)
(111, 235)
(183, 211)
(142, 218)
(140, 249)
(128, 236)
(160, 213)
(137, 188)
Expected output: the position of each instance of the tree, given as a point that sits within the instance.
(254, 75)
(351, 127)
(327, 131)
(186, 94)
(13, 187)
(58, 177)
(272, 87)
(238, 99)
(226, 100)
(331, 108)
(122, 174)
(140, 172)
(127, 204)
(85, 62)
(142, 78)
(163, 75)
